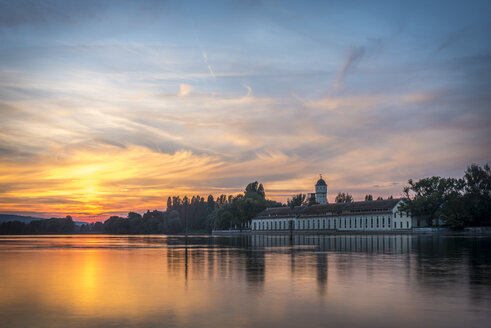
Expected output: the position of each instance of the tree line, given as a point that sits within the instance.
(48, 226)
(196, 214)
(456, 203)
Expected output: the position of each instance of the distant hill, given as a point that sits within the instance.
(27, 219)
(21, 218)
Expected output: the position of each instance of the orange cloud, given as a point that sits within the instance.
(185, 89)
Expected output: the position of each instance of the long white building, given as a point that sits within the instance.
(375, 215)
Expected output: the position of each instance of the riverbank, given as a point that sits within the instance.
(430, 230)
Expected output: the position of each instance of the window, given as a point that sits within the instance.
(383, 222)
(371, 222)
(377, 221)
(401, 224)
(254, 226)
(324, 224)
(388, 222)
(407, 224)
(355, 223)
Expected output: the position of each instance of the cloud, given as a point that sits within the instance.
(185, 89)
(210, 69)
(99, 123)
(422, 97)
(353, 58)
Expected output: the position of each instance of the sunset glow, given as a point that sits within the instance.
(107, 108)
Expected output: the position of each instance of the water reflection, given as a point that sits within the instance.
(258, 280)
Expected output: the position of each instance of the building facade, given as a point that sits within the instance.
(375, 215)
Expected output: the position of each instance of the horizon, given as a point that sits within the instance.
(101, 217)
(111, 107)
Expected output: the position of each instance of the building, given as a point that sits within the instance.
(321, 191)
(375, 215)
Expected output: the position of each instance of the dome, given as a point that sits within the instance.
(321, 182)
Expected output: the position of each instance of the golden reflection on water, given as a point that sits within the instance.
(80, 281)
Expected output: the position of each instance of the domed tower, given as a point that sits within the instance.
(321, 191)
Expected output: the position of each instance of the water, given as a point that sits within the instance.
(244, 281)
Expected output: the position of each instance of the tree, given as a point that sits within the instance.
(311, 200)
(169, 204)
(477, 186)
(426, 198)
(368, 197)
(297, 200)
(343, 198)
(260, 191)
(134, 215)
(210, 203)
(255, 190)
(380, 198)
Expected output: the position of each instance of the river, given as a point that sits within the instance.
(245, 281)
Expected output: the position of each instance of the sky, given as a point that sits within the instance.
(113, 106)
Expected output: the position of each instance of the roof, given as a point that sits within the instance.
(321, 182)
(332, 209)
(373, 205)
(284, 211)
(365, 207)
